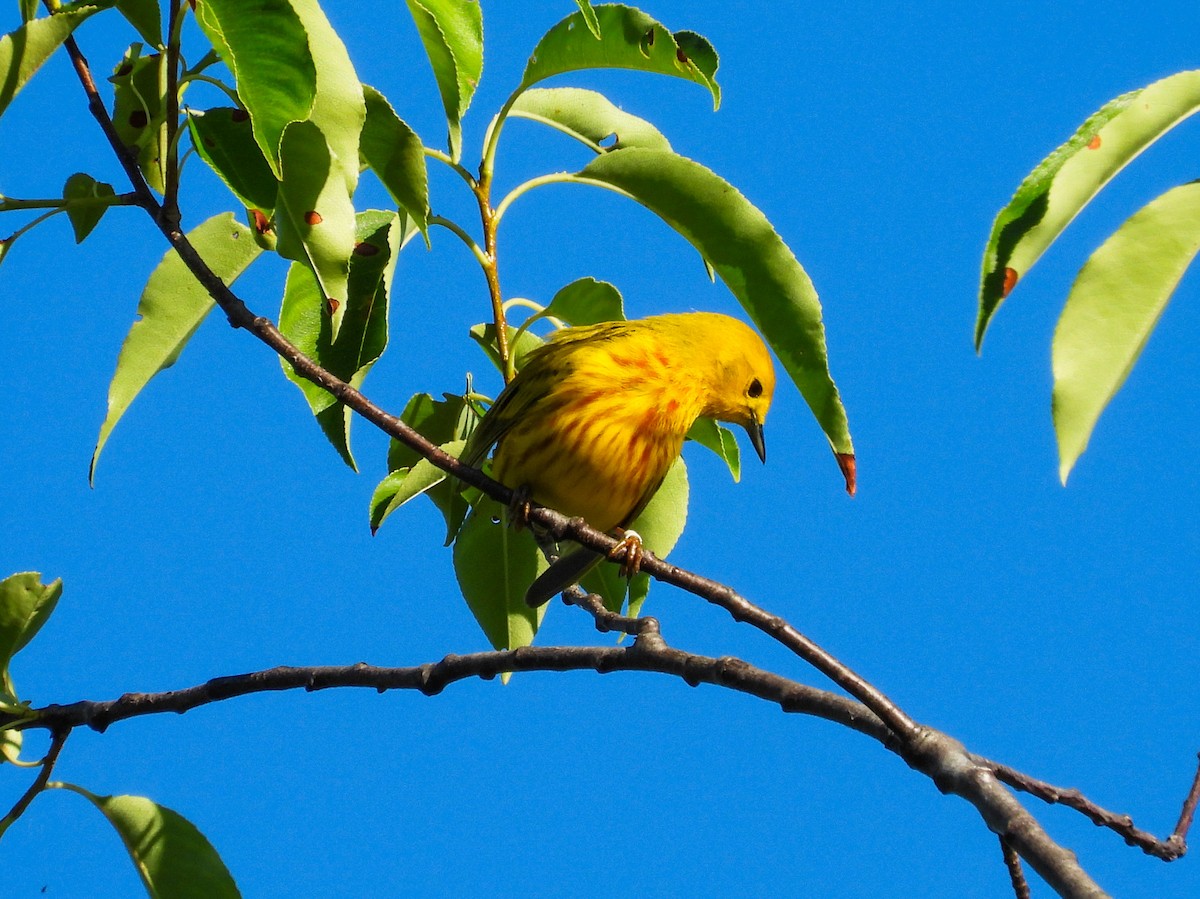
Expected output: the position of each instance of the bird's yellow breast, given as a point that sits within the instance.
(602, 442)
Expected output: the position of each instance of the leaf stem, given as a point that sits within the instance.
(58, 740)
(446, 159)
(466, 238)
(215, 82)
(552, 178)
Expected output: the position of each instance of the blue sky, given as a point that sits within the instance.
(1052, 629)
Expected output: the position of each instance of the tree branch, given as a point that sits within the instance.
(431, 678)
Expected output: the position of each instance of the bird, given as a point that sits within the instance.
(597, 415)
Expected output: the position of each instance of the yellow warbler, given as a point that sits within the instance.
(596, 417)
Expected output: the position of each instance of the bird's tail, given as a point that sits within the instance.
(562, 573)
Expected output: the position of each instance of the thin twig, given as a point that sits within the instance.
(57, 740)
(1169, 849)
(1016, 875)
(608, 621)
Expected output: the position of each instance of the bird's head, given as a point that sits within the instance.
(744, 381)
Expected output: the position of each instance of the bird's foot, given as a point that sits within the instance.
(628, 552)
(518, 507)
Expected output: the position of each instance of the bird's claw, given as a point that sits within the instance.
(629, 552)
(518, 507)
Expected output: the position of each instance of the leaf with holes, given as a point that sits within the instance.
(315, 216)
(589, 117)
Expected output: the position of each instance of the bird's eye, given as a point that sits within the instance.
(755, 389)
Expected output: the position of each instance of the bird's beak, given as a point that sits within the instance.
(755, 430)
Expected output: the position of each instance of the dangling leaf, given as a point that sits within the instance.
(1113, 308)
(397, 156)
(452, 32)
(1066, 180)
(25, 605)
(721, 441)
(174, 860)
(170, 310)
(751, 258)
(495, 565)
(265, 44)
(224, 138)
(660, 526)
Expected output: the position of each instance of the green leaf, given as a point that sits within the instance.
(495, 565)
(224, 138)
(721, 441)
(145, 16)
(438, 421)
(405, 484)
(339, 109)
(170, 310)
(23, 51)
(138, 111)
(1066, 180)
(452, 32)
(397, 156)
(173, 858)
(518, 346)
(446, 423)
(587, 302)
(589, 17)
(629, 39)
(266, 46)
(751, 258)
(589, 117)
(305, 321)
(314, 215)
(660, 526)
(29, 9)
(1113, 308)
(84, 218)
(25, 605)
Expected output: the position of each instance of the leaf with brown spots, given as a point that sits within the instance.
(1065, 181)
(305, 320)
